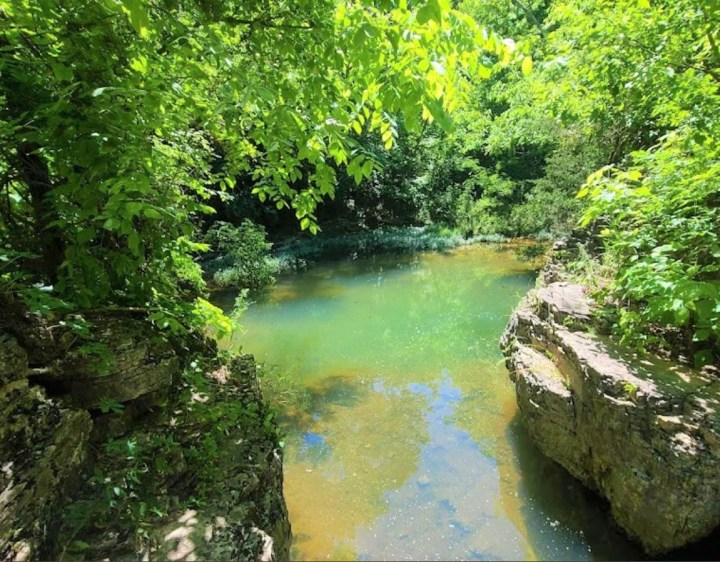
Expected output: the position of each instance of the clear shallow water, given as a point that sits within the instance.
(403, 440)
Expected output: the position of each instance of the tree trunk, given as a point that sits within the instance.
(49, 238)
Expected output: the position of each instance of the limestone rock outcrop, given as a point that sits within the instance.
(55, 423)
(43, 451)
(129, 362)
(643, 432)
(240, 515)
(247, 518)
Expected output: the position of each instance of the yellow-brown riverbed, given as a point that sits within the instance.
(402, 438)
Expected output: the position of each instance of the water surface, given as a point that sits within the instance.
(402, 435)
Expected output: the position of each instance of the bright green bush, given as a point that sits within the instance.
(244, 256)
(663, 232)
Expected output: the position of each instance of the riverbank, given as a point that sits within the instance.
(642, 431)
(401, 422)
(134, 448)
(300, 251)
(223, 270)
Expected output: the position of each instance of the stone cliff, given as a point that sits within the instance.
(56, 424)
(641, 431)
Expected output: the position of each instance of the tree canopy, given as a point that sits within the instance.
(125, 121)
(121, 119)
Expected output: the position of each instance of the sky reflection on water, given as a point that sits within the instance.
(403, 442)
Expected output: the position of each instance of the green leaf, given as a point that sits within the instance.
(527, 66)
(703, 357)
(484, 72)
(701, 335)
(134, 243)
(431, 10)
(62, 72)
(139, 17)
(85, 235)
(440, 116)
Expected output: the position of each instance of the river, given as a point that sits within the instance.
(402, 435)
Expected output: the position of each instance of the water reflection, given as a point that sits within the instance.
(402, 442)
(340, 464)
(431, 517)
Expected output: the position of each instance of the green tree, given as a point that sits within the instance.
(242, 256)
(649, 74)
(115, 114)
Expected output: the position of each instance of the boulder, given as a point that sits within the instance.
(641, 431)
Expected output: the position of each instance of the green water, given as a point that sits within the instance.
(402, 435)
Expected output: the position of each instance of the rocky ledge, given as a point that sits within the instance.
(643, 432)
(54, 431)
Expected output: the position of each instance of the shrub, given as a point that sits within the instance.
(242, 256)
(663, 217)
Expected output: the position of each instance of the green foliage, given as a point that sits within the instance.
(663, 232)
(630, 390)
(244, 251)
(634, 70)
(512, 166)
(550, 206)
(141, 478)
(121, 120)
(110, 405)
(298, 253)
(483, 194)
(656, 89)
(631, 88)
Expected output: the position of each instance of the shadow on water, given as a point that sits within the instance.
(550, 493)
(556, 504)
(320, 399)
(325, 280)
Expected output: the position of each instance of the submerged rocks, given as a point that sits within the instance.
(643, 432)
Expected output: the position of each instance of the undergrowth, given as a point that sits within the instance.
(142, 478)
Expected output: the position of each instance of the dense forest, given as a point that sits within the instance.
(153, 150)
(130, 128)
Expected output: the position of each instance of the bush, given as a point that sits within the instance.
(242, 256)
(663, 218)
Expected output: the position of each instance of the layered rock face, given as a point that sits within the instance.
(50, 402)
(643, 432)
(246, 517)
(43, 451)
(52, 418)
